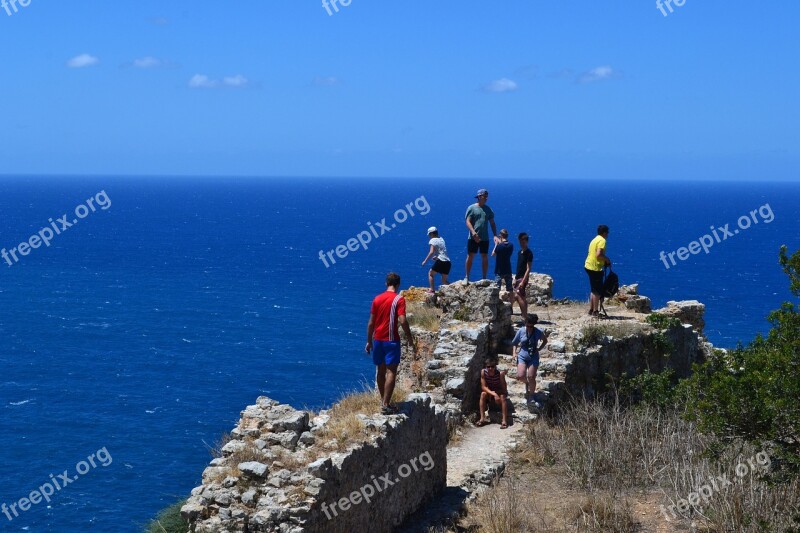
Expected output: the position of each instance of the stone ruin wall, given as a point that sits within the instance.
(277, 488)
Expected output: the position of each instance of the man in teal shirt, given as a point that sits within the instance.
(478, 218)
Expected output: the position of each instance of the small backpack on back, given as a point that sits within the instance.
(610, 284)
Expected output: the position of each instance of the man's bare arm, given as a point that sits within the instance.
(370, 331)
(407, 330)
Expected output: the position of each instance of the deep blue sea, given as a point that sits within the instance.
(145, 328)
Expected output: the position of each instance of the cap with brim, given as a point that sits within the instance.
(481, 192)
(432, 229)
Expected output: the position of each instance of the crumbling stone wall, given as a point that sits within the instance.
(374, 486)
(594, 370)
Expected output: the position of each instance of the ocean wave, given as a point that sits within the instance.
(23, 402)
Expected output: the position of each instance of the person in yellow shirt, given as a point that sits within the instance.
(595, 262)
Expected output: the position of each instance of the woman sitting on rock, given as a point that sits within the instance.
(493, 389)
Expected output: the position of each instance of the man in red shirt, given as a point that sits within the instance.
(388, 313)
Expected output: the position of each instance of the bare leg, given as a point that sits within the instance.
(523, 305)
(532, 379)
(444, 279)
(522, 376)
(483, 407)
(430, 279)
(504, 408)
(391, 377)
(468, 266)
(485, 265)
(380, 378)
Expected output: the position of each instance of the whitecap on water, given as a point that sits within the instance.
(23, 402)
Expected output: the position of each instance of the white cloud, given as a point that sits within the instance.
(235, 81)
(201, 81)
(503, 85)
(598, 74)
(147, 62)
(326, 81)
(83, 60)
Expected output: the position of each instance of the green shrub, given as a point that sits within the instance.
(659, 321)
(654, 389)
(169, 520)
(753, 392)
(661, 344)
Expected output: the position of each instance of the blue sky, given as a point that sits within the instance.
(519, 88)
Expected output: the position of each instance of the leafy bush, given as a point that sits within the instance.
(656, 390)
(659, 321)
(752, 393)
(169, 520)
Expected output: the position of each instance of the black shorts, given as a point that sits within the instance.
(474, 247)
(442, 267)
(501, 279)
(595, 281)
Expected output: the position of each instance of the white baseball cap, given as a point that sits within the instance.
(432, 229)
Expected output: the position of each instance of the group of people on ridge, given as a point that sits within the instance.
(388, 312)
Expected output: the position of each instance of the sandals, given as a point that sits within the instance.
(503, 426)
(481, 423)
(388, 410)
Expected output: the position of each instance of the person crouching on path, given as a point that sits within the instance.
(493, 389)
(524, 266)
(438, 253)
(388, 313)
(526, 349)
(595, 262)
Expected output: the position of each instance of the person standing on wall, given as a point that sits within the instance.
(478, 219)
(596, 261)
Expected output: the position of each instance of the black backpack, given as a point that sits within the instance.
(610, 284)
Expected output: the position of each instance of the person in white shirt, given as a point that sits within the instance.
(437, 252)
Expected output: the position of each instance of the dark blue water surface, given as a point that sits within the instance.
(145, 328)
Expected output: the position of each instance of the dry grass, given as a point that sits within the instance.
(605, 514)
(609, 448)
(424, 317)
(508, 507)
(595, 459)
(591, 334)
(505, 508)
(345, 428)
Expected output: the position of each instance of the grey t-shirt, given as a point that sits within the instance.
(479, 217)
(439, 249)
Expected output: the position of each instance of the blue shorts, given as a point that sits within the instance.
(528, 359)
(386, 352)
